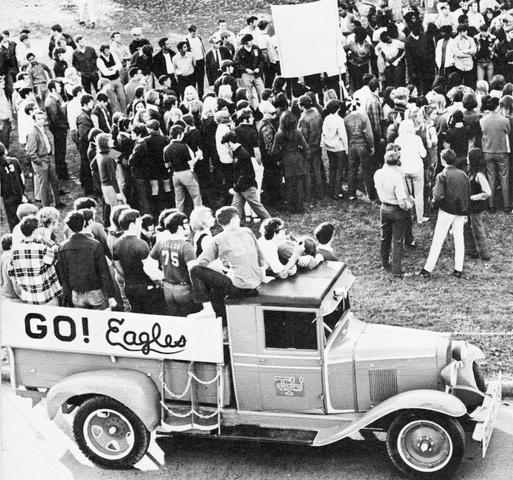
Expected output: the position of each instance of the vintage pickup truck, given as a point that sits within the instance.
(298, 367)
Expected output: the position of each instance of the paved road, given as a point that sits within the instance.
(35, 448)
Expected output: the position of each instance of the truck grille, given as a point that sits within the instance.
(382, 383)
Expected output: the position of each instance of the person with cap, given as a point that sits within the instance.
(226, 78)
(360, 142)
(214, 58)
(184, 64)
(197, 50)
(138, 42)
(394, 212)
(451, 195)
(249, 65)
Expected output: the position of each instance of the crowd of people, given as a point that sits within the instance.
(423, 108)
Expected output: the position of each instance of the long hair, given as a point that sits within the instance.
(288, 124)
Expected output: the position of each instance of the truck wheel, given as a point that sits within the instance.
(109, 434)
(425, 445)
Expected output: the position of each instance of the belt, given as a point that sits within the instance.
(394, 205)
(176, 283)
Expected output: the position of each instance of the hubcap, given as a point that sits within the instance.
(425, 446)
(108, 434)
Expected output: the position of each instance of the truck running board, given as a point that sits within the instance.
(254, 433)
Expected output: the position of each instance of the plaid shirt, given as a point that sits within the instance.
(33, 268)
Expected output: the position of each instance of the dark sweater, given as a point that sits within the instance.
(451, 192)
(243, 172)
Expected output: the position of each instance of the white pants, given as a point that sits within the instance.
(259, 176)
(443, 223)
(89, 6)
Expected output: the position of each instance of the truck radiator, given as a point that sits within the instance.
(382, 383)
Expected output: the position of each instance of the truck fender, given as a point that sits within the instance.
(431, 400)
(133, 389)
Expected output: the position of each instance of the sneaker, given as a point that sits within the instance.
(423, 220)
(352, 199)
(411, 244)
(457, 274)
(424, 273)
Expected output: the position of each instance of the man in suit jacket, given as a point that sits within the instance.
(214, 58)
(8, 62)
(58, 124)
(39, 151)
(84, 126)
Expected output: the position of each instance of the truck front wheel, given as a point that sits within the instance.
(109, 434)
(425, 445)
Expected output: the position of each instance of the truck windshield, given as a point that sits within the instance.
(331, 319)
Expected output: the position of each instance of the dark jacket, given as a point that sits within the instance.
(8, 60)
(144, 62)
(251, 59)
(226, 79)
(56, 113)
(243, 171)
(139, 163)
(451, 192)
(213, 68)
(83, 267)
(159, 64)
(155, 144)
(69, 41)
(85, 62)
(137, 43)
(291, 153)
(84, 126)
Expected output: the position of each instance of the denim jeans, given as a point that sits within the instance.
(497, 165)
(336, 162)
(94, 299)
(393, 226)
(359, 154)
(251, 197)
(476, 242)
(179, 300)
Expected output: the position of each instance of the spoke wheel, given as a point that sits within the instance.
(426, 445)
(110, 434)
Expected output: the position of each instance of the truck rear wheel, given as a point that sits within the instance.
(109, 434)
(425, 445)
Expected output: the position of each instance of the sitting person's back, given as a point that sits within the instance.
(324, 234)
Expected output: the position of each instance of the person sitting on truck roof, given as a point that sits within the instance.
(83, 269)
(239, 247)
(33, 266)
(310, 257)
(273, 234)
(173, 254)
(324, 233)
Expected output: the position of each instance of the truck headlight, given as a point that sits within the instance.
(460, 350)
(449, 374)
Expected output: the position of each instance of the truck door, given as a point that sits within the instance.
(289, 359)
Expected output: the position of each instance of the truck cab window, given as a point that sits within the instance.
(332, 318)
(286, 329)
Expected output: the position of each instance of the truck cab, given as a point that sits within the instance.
(297, 367)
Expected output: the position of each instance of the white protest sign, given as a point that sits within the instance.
(308, 37)
(122, 334)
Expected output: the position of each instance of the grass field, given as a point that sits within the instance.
(480, 302)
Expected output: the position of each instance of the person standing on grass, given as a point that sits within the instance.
(58, 124)
(394, 212)
(109, 68)
(178, 158)
(6, 120)
(83, 269)
(451, 195)
(84, 126)
(12, 186)
(334, 140)
(140, 168)
(39, 75)
(39, 152)
(84, 60)
(184, 65)
(33, 266)
(244, 189)
(476, 243)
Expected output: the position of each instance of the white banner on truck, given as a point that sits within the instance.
(78, 330)
(308, 37)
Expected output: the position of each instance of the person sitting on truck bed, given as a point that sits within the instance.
(33, 266)
(310, 258)
(324, 233)
(273, 234)
(85, 275)
(239, 247)
(173, 254)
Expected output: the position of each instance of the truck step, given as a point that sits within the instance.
(178, 418)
